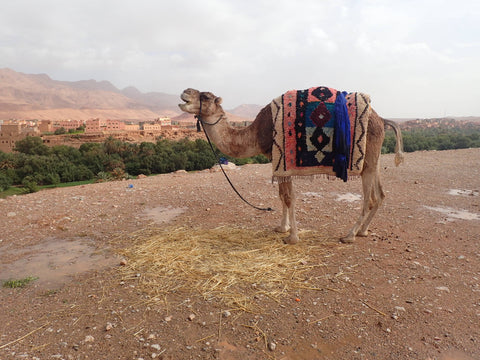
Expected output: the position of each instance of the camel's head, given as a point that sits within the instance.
(200, 103)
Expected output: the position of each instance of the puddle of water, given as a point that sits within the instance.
(53, 261)
(348, 197)
(163, 214)
(453, 214)
(459, 192)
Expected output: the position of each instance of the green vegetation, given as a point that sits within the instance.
(434, 139)
(12, 284)
(34, 165)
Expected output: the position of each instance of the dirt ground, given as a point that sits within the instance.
(410, 290)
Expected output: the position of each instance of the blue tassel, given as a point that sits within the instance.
(341, 137)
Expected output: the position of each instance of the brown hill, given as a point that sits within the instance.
(25, 96)
(248, 111)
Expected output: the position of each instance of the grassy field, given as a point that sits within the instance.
(18, 190)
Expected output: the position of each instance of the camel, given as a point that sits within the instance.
(257, 139)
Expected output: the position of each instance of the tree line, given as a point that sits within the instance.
(33, 163)
(434, 139)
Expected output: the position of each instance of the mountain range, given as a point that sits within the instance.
(37, 96)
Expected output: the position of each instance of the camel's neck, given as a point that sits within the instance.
(240, 142)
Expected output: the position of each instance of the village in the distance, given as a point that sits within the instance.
(76, 132)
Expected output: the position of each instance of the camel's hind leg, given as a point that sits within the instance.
(376, 199)
(287, 196)
(371, 202)
(372, 188)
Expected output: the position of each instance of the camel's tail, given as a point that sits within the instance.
(399, 158)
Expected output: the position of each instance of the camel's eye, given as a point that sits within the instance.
(205, 97)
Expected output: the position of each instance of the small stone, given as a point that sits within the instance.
(226, 313)
(108, 327)
(156, 347)
(272, 346)
(11, 214)
(123, 262)
(442, 288)
(191, 317)
(168, 318)
(89, 338)
(400, 308)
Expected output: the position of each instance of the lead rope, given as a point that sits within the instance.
(200, 121)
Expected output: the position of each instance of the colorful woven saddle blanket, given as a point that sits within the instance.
(319, 131)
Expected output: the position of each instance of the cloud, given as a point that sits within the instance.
(252, 51)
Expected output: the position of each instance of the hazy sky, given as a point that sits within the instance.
(416, 58)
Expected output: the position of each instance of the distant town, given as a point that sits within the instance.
(76, 132)
(50, 130)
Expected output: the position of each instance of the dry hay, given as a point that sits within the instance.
(231, 264)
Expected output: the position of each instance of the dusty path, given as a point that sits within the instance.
(411, 290)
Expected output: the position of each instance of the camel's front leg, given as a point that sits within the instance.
(287, 195)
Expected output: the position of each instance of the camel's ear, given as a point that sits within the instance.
(218, 100)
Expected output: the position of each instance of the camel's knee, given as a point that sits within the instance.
(286, 193)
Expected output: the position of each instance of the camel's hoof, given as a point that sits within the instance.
(281, 229)
(292, 239)
(347, 239)
(362, 233)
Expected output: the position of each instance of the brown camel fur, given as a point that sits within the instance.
(258, 139)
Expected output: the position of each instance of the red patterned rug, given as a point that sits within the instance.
(304, 127)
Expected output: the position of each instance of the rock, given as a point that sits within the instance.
(226, 313)
(123, 262)
(89, 338)
(168, 318)
(191, 317)
(11, 214)
(442, 288)
(272, 346)
(155, 346)
(108, 327)
(141, 176)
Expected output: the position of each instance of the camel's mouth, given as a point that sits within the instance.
(187, 101)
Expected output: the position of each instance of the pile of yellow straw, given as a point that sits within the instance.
(234, 265)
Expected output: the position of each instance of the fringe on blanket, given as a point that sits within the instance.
(282, 179)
